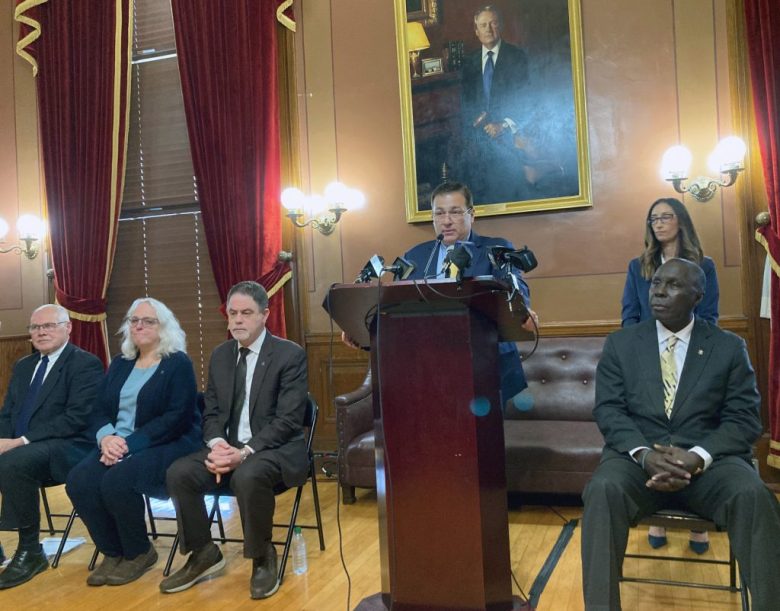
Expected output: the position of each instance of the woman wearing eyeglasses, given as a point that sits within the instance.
(669, 233)
(145, 417)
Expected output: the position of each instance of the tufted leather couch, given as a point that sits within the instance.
(552, 442)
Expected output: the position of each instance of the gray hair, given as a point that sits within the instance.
(62, 313)
(255, 290)
(172, 336)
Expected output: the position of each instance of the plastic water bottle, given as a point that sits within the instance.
(300, 564)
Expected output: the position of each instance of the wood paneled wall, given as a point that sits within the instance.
(12, 348)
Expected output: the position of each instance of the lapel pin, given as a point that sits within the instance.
(701, 352)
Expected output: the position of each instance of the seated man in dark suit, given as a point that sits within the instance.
(676, 401)
(452, 207)
(43, 431)
(253, 426)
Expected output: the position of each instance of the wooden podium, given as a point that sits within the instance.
(441, 482)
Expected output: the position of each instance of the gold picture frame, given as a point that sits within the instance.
(533, 156)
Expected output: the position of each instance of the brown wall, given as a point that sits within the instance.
(656, 73)
(23, 285)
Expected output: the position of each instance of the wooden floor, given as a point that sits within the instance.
(533, 532)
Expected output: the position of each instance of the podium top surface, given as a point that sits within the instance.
(354, 306)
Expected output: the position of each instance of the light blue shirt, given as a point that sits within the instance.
(128, 403)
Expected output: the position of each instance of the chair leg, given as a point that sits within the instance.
(217, 512)
(152, 524)
(47, 511)
(347, 494)
(290, 530)
(171, 556)
(93, 562)
(65, 533)
(317, 512)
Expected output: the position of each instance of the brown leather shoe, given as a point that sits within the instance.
(264, 581)
(99, 577)
(130, 570)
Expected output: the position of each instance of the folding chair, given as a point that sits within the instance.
(686, 520)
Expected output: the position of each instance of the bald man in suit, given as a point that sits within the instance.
(43, 431)
(676, 401)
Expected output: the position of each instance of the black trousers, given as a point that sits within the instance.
(729, 493)
(252, 483)
(110, 501)
(25, 469)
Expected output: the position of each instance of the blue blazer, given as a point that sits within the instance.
(167, 403)
(636, 295)
(512, 375)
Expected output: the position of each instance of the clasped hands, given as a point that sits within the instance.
(670, 469)
(112, 449)
(223, 458)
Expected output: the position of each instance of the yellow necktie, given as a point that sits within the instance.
(669, 375)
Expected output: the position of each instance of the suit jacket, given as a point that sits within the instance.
(277, 402)
(65, 401)
(512, 375)
(166, 408)
(510, 75)
(636, 295)
(716, 405)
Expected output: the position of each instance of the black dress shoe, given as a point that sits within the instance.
(264, 581)
(23, 567)
(2, 555)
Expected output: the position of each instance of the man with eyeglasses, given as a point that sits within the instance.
(43, 426)
(452, 207)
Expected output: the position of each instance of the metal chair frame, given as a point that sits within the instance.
(685, 520)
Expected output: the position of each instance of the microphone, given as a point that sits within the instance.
(439, 238)
(401, 268)
(523, 258)
(372, 269)
(460, 257)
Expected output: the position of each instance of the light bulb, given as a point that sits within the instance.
(728, 155)
(30, 226)
(292, 198)
(675, 163)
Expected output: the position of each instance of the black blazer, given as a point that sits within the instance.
(277, 402)
(716, 406)
(167, 403)
(65, 401)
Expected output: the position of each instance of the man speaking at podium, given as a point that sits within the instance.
(452, 207)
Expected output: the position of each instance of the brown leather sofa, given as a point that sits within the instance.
(552, 443)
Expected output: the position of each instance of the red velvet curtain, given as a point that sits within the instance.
(82, 51)
(763, 35)
(227, 60)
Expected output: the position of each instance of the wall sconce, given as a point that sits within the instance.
(31, 230)
(323, 211)
(416, 41)
(727, 159)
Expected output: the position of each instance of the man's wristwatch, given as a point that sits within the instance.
(245, 452)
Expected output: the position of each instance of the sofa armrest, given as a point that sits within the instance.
(354, 413)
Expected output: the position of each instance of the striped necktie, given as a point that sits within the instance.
(669, 374)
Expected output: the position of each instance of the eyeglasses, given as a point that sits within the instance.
(47, 326)
(146, 321)
(661, 218)
(455, 215)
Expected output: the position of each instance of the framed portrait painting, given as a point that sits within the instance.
(494, 99)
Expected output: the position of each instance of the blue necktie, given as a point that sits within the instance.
(487, 77)
(23, 422)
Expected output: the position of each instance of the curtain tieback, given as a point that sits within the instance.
(85, 310)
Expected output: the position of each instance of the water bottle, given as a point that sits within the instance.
(300, 564)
